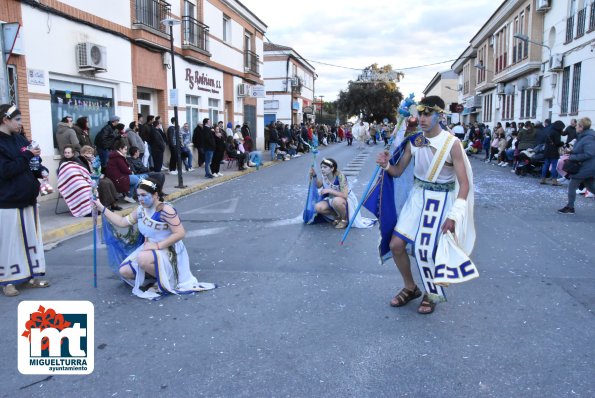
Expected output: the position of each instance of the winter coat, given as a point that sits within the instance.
(584, 151)
(65, 135)
(207, 138)
(553, 141)
(82, 136)
(106, 138)
(135, 140)
(19, 186)
(118, 171)
(526, 138)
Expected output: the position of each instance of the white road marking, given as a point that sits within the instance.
(218, 207)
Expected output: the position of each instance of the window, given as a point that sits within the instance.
(534, 105)
(192, 110)
(523, 97)
(576, 86)
(13, 93)
(150, 13)
(528, 104)
(508, 107)
(214, 110)
(487, 108)
(76, 100)
(565, 90)
(226, 29)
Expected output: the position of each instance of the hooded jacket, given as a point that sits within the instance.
(584, 151)
(553, 142)
(19, 186)
(65, 135)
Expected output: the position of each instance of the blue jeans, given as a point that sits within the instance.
(208, 159)
(188, 161)
(273, 148)
(103, 156)
(134, 180)
(547, 163)
(509, 154)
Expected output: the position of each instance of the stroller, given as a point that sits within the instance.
(531, 161)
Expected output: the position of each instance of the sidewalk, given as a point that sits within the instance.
(57, 227)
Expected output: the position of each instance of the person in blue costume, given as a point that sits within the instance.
(162, 254)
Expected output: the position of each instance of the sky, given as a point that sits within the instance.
(356, 34)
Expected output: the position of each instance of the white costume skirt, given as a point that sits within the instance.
(21, 245)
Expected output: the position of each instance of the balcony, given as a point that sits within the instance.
(251, 64)
(195, 35)
(581, 18)
(150, 13)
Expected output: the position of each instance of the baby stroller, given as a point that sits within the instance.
(530, 161)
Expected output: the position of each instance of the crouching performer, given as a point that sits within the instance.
(337, 202)
(161, 254)
(437, 216)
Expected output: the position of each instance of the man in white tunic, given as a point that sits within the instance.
(439, 205)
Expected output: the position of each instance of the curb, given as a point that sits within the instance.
(57, 235)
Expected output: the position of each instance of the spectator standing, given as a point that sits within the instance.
(157, 145)
(583, 152)
(207, 142)
(19, 218)
(552, 152)
(218, 152)
(246, 129)
(65, 135)
(105, 139)
(196, 142)
(273, 141)
(186, 152)
(172, 142)
(134, 139)
(81, 128)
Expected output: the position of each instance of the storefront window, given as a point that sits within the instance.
(76, 100)
(214, 110)
(192, 106)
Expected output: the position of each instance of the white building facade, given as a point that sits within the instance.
(289, 84)
(98, 58)
(530, 61)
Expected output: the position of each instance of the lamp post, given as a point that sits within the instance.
(321, 104)
(171, 22)
(526, 39)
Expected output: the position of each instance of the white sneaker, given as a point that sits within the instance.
(581, 191)
(173, 172)
(190, 169)
(589, 195)
(129, 199)
(561, 179)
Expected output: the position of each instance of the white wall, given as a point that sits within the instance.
(116, 11)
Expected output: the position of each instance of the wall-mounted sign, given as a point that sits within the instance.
(271, 105)
(173, 97)
(295, 105)
(308, 109)
(13, 40)
(258, 91)
(36, 77)
(202, 82)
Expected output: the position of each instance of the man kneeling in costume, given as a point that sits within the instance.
(439, 205)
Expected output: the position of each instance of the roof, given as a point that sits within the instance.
(267, 46)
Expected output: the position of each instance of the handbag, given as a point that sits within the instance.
(571, 166)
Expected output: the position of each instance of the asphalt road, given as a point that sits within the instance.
(297, 315)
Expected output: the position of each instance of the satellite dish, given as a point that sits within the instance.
(521, 84)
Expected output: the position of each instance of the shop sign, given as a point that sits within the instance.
(202, 82)
(36, 77)
(308, 109)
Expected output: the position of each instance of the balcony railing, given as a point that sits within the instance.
(592, 17)
(196, 34)
(150, 13)
(580, 22)
(569, 29)
(251, 62)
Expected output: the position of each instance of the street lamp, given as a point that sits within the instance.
(526, 39)
(321, 104)
(171, 22)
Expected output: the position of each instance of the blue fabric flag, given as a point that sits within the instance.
(387, 197)
(119, 244)
(310, 216)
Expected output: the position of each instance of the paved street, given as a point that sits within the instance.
(297, 315)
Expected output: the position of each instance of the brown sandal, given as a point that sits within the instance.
(426, 306)
(405, 296)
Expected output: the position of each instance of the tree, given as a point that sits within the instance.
(374, 94)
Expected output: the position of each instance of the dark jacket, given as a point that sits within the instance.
(196, 136)
(553, 142)
(106, 138)
(273, 136)
(570, 132)
(156, 140)
(19, 186)
(171, 137)
(136, 165)
(83, 138)
(526, 138)
(584, 151)
(207, 138)
(118, 171)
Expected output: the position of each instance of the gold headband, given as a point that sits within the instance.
(426, 108)
(148, 184)
(328, 163)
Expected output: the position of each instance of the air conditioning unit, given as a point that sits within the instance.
(500, 88)
(534, 81)
(556, 62)
(296, 82)
(244, 90)
(91, 57)
(543, 5)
